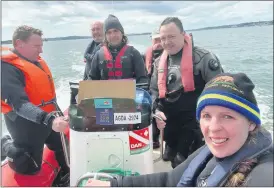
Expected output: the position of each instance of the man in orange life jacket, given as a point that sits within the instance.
(152, 53)
(116, 59)
(26, 84)
(179, 77)
(97, 39)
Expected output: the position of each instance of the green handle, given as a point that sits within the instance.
(118, 171)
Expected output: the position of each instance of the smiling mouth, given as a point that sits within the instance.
(218, 140)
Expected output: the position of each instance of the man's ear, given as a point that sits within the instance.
(19, 43)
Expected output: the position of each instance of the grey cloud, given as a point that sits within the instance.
(204, 9)
(136, 16)
(156, 7)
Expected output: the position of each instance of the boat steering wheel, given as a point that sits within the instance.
(94, 175)
(97, 175)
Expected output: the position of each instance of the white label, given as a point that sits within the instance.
(127, 118)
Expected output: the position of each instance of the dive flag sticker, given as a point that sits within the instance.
(139, 141)
(103, 103)
(104, 116)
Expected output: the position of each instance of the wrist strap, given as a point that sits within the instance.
(49, 118)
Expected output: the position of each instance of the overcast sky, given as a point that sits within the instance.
(73, 18)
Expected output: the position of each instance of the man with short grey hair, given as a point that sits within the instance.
(97, 39)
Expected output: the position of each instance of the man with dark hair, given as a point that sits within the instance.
(179, 77)
(116, 59)
(27, 85)
(97, 39)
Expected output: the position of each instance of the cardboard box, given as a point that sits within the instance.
(107, 89)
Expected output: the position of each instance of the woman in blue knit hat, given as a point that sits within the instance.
(238, 150)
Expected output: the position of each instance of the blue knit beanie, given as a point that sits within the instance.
(234, 91)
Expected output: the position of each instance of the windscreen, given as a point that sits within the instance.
(112, 114)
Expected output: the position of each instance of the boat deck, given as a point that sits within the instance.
(160, 166)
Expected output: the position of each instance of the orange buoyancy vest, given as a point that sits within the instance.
(187, 74)
(39, 85)
(148, 59)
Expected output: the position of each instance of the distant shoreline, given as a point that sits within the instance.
(247, 24)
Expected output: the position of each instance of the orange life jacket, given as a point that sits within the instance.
(149, 59)
(39, 83)
(186, 69)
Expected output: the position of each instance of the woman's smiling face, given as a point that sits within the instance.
(225, 131)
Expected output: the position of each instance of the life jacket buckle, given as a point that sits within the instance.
(43, 103)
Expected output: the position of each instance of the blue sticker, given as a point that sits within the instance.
(104, 116)
(103, 103)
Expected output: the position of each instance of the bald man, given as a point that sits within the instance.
(97, 38)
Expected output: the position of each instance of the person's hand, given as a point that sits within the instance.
(97, 183)
(160, 124)
(60, 124)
